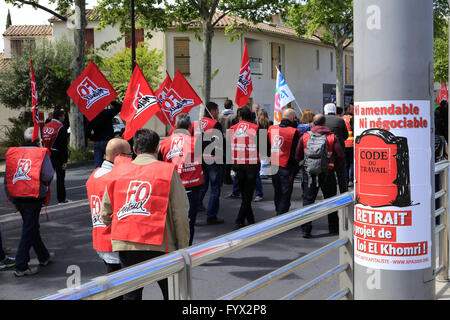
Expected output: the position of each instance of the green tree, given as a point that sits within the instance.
(197, 14)
(441, 54)
(51, 63)
(331, 22)
(118, 67)
(8, 20)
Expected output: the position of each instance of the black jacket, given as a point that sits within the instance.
(338, 127)
(102, 125)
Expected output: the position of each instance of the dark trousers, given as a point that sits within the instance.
(112, 267)
(247, 182)
(31, 236)
(129, 258)
(327, 183)
(60, 177)
(227, 179)
(212, 173)
(2, 253)
(99, 152)
(283, 185)
(341, 181)
(194, 203)
(349, 165)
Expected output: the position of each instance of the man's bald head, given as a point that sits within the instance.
(289, 114)
(115, 147)
(319, 120)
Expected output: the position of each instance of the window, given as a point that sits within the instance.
(331, 62)
(348, 70)
(317, 59)
(277, 58)
(89, 39)
(181, 55)
(17, 46)
(138, 37)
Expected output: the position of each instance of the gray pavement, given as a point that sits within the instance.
(68, 234)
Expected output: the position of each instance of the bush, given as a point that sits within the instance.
(13, 136)
(79, 155)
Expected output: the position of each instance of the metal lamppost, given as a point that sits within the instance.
(133, 38)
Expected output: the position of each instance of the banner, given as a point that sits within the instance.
(139, 104)
(392, 218)
(244, 86)
(283, 95)
(161, 95)
(34, 104)
(443, 94)
(91, 91)
(181, 98)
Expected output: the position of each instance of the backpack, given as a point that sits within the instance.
(316, 154)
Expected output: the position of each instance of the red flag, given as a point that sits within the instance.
(34, 104)
(181, 98)
(139, 104)
(443, 94)
(91, 91)
(161, 95)
(244, 86)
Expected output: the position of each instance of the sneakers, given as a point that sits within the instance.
(8, 262)
(258, 198)
(46, 262)
(215, 221)
(232, 196)
(28, 272)
(65, 201)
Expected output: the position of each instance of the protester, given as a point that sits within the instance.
(180, 149)
(337, 126)
(212, 164)
(440, 153)
(283, 144)
(306, 122)
(5, 261)
(226, 119)
(55, 138)
(348, 166)
(101, 130)
(245, 159)
(95, 186)
(441, 116)
(147, 207)
(325, 180)
(28, 173)
(263, 122)
(255, 110)
(235, 192)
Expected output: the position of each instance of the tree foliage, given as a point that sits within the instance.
(441, 54)
(117, 68)
(51, 64)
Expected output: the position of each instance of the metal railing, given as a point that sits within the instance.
(177, 266)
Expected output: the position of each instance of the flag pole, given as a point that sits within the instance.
(301, 112)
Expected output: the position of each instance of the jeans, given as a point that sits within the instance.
(212, 173)
(327, 183)
(349, 164)
(194, 203)
(31, 237)
(258, 187)
(60, 177)
(129, 258)
(247, 181)
(99, 152)
(112, 267)
(283, 186)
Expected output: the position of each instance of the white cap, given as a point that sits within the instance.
(329, 108)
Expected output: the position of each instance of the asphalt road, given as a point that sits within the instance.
(68, 235)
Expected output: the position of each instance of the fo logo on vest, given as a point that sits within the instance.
(89, 91)
(48, 130)
(176, 148)
(95, 212)
(23, 168)
(137, 196)
(241, 131)
(277, 143)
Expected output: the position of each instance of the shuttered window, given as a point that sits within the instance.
(89, 39)
(276, 59)
(17, 45)
(348, 70)
(181, 55)
(138, 36)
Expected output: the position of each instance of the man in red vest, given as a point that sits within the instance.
(210, 131)
(185, 153)
(326, 181)
(147, 207)
(244, 155)
(28, 173)
(95, 186)
(348, 118)
(55, 138)
(283, 144)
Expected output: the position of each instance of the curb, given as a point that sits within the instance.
(14, 220)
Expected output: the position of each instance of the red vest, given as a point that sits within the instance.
(50, 132)
(101, 233)
(330, 143)
(349, 141)
(244, 143)
(179, 149)
(139, 196)
(23, 171)
(280, 144)
(203, 125)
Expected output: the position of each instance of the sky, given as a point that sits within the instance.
(27, 15)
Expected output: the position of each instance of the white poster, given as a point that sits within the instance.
(392, 218)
